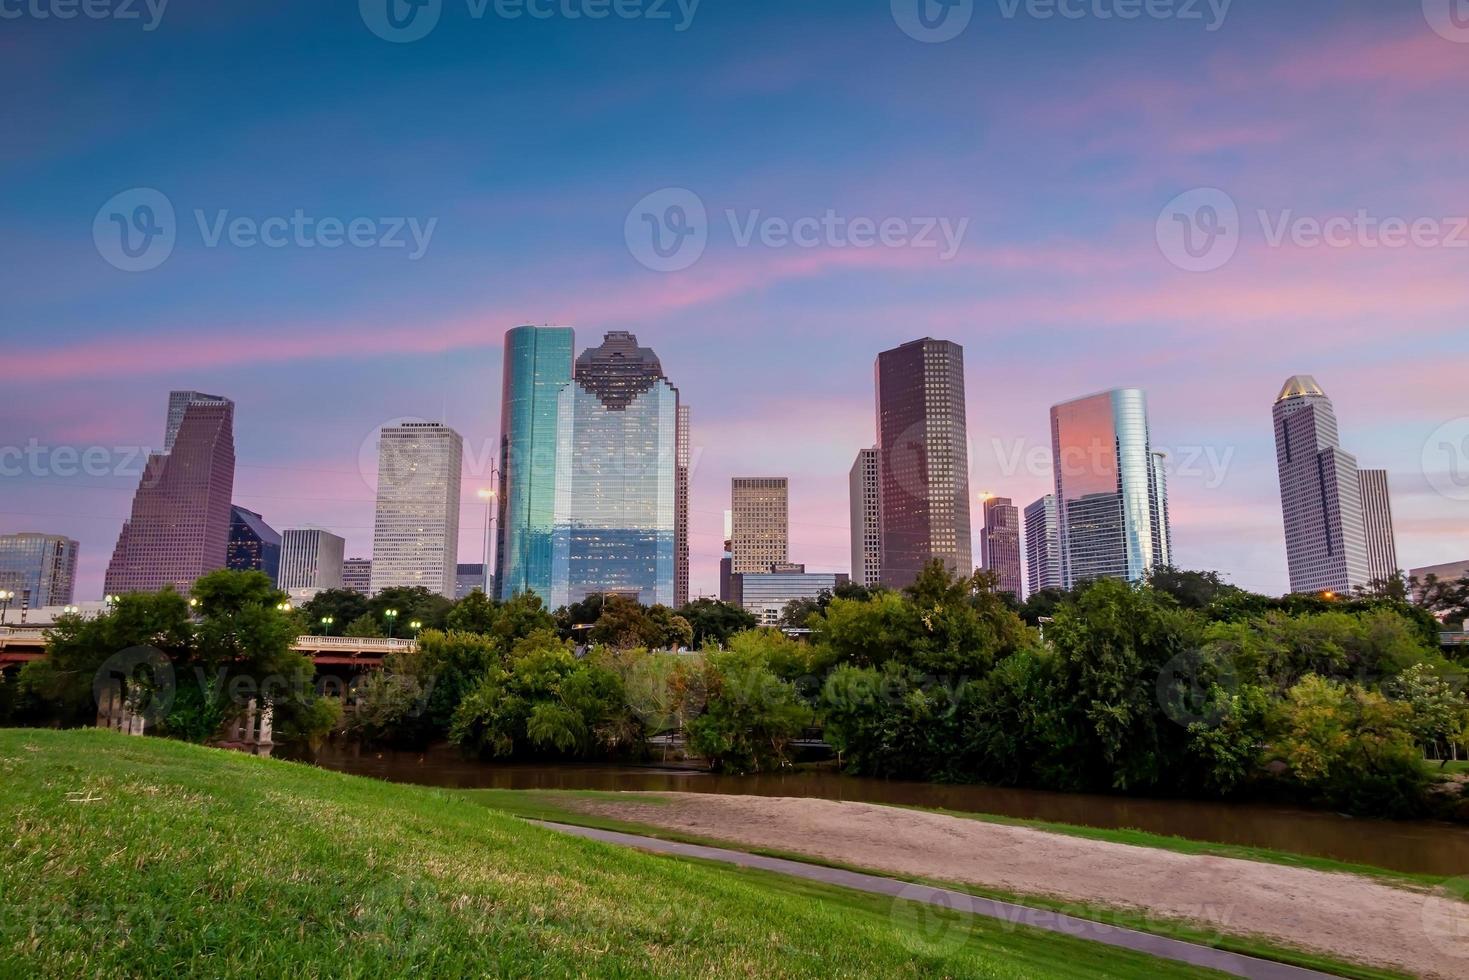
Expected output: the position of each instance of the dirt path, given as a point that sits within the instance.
(1347, 916)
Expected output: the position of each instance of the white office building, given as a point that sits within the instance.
(415, 538)
(311, 559)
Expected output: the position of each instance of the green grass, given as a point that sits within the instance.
(559, 806)
(134, 856)
(1451, 768)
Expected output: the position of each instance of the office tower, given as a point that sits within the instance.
(1382, 549)
(923, 460)
(178, 404)
(1320, 493)
(179, 526)
(311, 559)
(866, 531)
(357, 575)
(415, 537)
(1042, 546)
(537, 369)
(616, 477)
(766, 594)
(40, 569)
(726, 572)
(1110, 507)
(1162, 528)
(760, 526)
(254, 545)
(999, 546)
(681, 517)
(467, 578)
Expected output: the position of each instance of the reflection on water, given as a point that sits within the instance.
(1416, 846)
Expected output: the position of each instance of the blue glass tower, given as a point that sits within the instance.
(537, 369)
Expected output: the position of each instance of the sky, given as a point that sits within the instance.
(334, 211)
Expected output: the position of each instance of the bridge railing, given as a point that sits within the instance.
(374, 644)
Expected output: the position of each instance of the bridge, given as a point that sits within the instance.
(22, 644)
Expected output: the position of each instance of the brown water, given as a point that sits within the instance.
(1421, 846)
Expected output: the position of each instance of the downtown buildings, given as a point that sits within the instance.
(254, 545)
(866, 525)
(760, 527)
(40, 569)
(1000, 544)
(179, 525)
(594, 459)
(311, 562)
(415, 537)
(1042, 546)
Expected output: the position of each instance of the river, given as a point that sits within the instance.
(1420, 846)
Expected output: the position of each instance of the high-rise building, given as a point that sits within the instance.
(254, 545)
(40, 569)
(467, 578)
(415, 538)
(1111, 503)
(357, 575)
(538, 365)
(1382, 548)
(311, 559)
(923, 460)
(1042, 546)
(1320, 493)
(760, 526)
(726, 573)
(179, 526)
(616, 477)
(999, 547)
(681, 516)
(865, 529)
(178, 405)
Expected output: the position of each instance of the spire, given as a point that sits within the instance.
(1300, 386)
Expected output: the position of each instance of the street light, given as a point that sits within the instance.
(415, 626)
(284, 607)
(391, 615)
(109, 599)
(71, 610)
(488, 496)
(5, 597)
(326, 624)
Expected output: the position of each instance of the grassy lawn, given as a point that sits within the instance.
(560, 806)
(128, 856)
(1446, 768)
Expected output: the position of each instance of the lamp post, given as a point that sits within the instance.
(5, 596)
(284, 607)
(489, 496)
(415, 626)
(391, 615)
(326, 624)
(71, 610)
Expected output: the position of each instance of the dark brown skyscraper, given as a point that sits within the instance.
(180, 523)
(999, 547)
(923, 460)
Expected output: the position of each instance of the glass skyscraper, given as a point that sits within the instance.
(39, 568)
(537, 369)
(1111, 491)
(254, 545)
(616, 501)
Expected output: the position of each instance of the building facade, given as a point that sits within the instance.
(681, 510)
(254, 545)
(766, 594)
(467, 578)
(760, 526)
(40, 569)
(617, 453)
(923, 460)
(1111, 490)
(179, 525)
(311, 559)
(415, 538)
(357, 575)
(865, 527)
(178, 406)
(1042, 546)
(999, 546)
(1382, 547)
(1320, 493)
(538, 367)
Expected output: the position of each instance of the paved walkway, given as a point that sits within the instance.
(1171, 949)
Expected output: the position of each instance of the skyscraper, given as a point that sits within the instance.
(39, 568)
(179, 526)
(254, 545)
(1382, 549)
(357, 575)
(1042, 546)
(537, 369)
(616, 477)
(866, 531)
(999, 546)
(311, 559)
(760, 526)
(681, 516)
(1111, 503)
(415, 538)
(923, 460)
(1320, 493)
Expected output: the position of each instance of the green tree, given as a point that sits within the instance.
(475, 613)
(713, 622)
(364, 627)
(415, 604)
(342, 606)
(750, 718)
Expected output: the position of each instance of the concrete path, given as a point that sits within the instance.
(1171, 949)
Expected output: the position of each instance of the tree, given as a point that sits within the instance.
(363, 627)
(750, 718)
(1440, 713)
(341, 606)
(1191, 590)
(475, 613)
(713, 622)
(416, 604)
